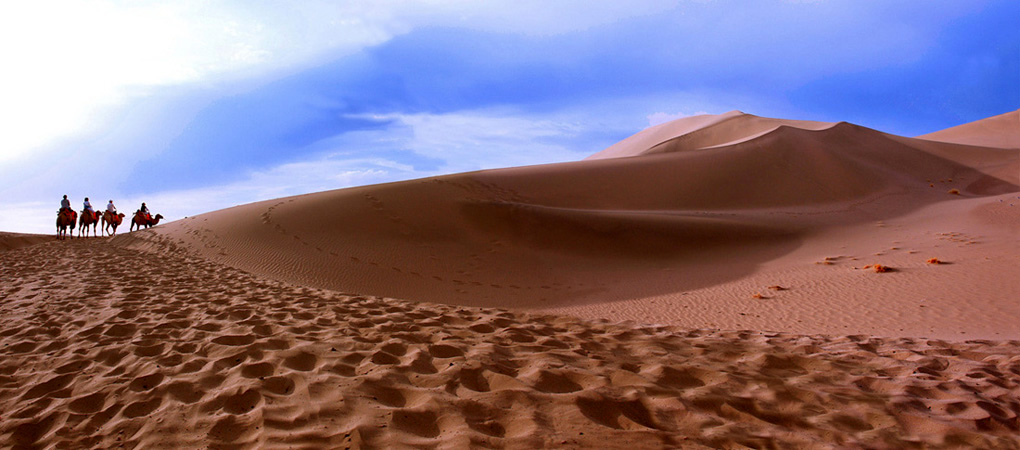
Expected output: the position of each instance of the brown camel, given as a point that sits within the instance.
(65, 223)
(111, 220)
(85, 219)
(141, 220)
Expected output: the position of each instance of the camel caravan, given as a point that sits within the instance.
(67, 218)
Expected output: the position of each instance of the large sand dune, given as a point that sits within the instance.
(740, 250)
(657, 228)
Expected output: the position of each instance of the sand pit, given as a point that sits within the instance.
(708, 283)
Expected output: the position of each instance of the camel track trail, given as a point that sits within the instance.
(101, 346)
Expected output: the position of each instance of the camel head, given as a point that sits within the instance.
(158, 216)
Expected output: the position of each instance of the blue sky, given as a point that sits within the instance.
(198, 106)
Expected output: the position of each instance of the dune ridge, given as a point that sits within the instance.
(701, 131)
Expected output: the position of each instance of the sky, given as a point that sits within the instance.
(198, 105)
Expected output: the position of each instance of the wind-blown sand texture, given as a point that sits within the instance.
(735, 246)
(173, 351)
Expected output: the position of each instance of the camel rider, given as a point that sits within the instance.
(145, 210)
(87, 207)
(65, 204)
(111, 209)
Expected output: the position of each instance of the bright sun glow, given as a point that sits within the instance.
(66, 62)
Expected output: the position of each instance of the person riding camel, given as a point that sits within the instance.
(87, 207)
(111, 209)
(65, 204)
(145, 210)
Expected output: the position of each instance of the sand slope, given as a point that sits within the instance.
(1002, 131)
(11, 241)
(165, 350)
(657, 225)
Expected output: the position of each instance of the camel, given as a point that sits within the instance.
(111, 220)
(65, 223)
(141, 220)
(85, 220)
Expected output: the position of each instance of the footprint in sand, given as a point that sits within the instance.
(88, 404)
(142, 408)
(146, 383)
(185, 392)
(242, 402)
(258, 370)
(279, 385)
(420, 423)
(302, 362)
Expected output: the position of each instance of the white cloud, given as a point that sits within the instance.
(68, 63)
(474, 140)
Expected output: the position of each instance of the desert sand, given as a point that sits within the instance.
(709, 282)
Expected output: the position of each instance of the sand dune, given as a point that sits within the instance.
(699, 132)
(577, 237)
(1002, 131)
(706, 283)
